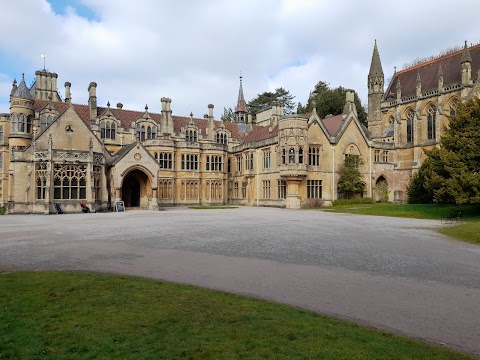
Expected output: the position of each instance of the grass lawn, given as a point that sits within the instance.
(65, 315)
(213, 207)
(468, 231)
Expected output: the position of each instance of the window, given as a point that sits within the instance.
(21, 123)
(376, 156)
(70, 182)
(283, 155)
(266, 189)
(300, 155)
(251, 161)
(189, 162)
(431, 122)
(214, 163)
(235, 189)
(244, 189)
(191, 136)
(14, 123)
(45, 120)
(291, 155)
(314, 189)
(266, 159)
(410, 126)
(239, 163)
(222, 138)
(1, 134)
(165, 160)
(282, 189)
(453, 108)
(214, 189)
(165, 189)
(96, 175)
(189, 189)
(314, 156)
(1, 162)
(151, 132)
(107, 130)
(385, 156)
(41, 175)
(140, 132)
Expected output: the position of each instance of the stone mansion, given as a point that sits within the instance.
(55, 151)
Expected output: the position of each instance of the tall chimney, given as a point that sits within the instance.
(166, 123)
(68, 97)
(210, 124)
(92, 100)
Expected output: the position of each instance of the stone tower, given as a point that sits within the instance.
(22, 114)
(375, 93)
(241, 109)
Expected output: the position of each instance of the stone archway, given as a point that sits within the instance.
(136, 189)
(381, 189)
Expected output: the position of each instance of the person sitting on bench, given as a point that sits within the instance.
(85, 208)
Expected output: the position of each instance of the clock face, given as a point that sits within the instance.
(137, 156)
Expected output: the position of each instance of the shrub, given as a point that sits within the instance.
(2, 210)
(312, 204)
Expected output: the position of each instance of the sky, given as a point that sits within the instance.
(194, 51)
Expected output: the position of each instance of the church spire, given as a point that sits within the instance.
(241, 109)
(376, 65)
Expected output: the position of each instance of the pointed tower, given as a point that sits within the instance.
(466, 62)
(375, 93)
(241, 109)
(21, 115)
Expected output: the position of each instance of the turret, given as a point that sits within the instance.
(466, 62)
(241, 109)
(92, 100)
(22, 115)
(375, 93)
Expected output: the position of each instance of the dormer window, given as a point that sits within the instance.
(140, 130)
(46, 120)
(222, 138)
(107, 129)
(191, 136)
(151, 132)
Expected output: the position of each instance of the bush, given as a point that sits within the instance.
(2, 210)
(312, 204)
(358, 201)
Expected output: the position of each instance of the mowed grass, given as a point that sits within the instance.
(65, 315)
(468, 230)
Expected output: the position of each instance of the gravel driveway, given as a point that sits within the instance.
(391, 273)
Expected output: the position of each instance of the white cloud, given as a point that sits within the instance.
(193, 51)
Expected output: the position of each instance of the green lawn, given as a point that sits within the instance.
(64, 315)
(468, 231)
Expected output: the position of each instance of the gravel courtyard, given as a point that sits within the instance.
(391, 273)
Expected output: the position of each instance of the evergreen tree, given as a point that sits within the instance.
(331, 101)
(452, 172)
(266, 98)
(350, 181)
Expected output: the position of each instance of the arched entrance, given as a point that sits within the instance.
(381, 189)
(135, 189)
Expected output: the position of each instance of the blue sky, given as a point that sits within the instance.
(193, 51)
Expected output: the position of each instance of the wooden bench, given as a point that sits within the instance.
(454, 217)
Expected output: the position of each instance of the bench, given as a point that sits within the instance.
(454, 217)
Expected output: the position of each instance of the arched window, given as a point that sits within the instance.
(410, 126)
(431, 122)
(21, 123)
(453, 108)
(300, 155)
(29, 124)
(107, 130)
(1, 134)
(102, 129)
(14, 123)
(142, 133)
(138, 131)
(112, 134)
(291, 155)
(154, 132)
(149, 132)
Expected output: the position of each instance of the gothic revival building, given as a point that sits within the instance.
(55, 151)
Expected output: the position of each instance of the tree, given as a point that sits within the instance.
(266, 98)
(331, 101)
(451, 173)
(228, 115)
(350, 181)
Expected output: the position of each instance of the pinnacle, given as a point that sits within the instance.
(376, 65)
(466, 54)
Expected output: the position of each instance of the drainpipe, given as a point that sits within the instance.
(257, 183)
(370, 179)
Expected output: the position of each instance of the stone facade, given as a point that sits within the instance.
(54, 151)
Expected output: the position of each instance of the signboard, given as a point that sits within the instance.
(119, 206)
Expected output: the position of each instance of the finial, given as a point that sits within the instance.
(146, 107)
(191, 114)
(108, 103)
(44, 57)
(241, 76)
(394, 69)
(23, 77)
(15, 81)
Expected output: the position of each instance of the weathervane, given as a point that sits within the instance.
(43, 56)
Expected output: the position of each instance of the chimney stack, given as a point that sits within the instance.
(68, 96)
(92, 100)
(350, 103)
(210, 124)
(166, 122)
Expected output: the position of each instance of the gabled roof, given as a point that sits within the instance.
(122, 152)
(451, 65)
(333, 124)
